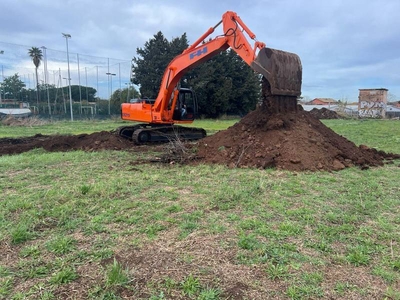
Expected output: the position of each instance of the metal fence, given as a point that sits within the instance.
(101, 73)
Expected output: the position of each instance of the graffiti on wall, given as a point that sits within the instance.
(372, 103)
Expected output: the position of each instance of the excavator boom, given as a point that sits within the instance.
(281, 69)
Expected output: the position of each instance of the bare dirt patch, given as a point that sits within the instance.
(97, 141)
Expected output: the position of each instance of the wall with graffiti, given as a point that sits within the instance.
(372, 103)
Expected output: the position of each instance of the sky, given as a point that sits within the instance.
(343, 45)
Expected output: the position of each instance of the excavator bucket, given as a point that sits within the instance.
(282, 70)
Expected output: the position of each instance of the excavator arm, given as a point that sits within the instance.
(281, 69)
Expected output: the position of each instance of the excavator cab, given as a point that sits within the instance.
(186, 108)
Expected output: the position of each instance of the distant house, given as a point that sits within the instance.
(322, 101)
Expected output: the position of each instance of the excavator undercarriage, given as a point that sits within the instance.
(152, 133)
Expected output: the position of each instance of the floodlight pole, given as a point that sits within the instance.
(45, 78)
(2, 74)
(68, 36)
(109, 101)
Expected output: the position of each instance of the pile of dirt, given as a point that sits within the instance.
(324, 113)
(102, 140)
(279, 134)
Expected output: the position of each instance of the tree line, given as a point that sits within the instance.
(225, 84)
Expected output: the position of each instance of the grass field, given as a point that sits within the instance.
(98, 225)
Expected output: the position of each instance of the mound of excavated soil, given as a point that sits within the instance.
(279, 134)
(324, 113)
(290, 140)
(88, 142)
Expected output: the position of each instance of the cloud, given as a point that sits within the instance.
(343, 45)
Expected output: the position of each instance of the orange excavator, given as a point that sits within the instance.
(175, 105)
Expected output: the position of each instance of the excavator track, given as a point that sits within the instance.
(146, 133)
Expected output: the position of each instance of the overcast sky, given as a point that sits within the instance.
(343, 45)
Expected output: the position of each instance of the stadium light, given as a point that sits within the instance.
(68, 36)
(2, 74)
(109, 101)
(45, 78)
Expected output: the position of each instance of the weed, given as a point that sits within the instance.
(4, 272)
(20, 234)
(358, 257)
(304, 292)
(116, 275)
(395, 264)
(277, 271)
(169, 284)
(248, 242)
(289, 229)
(5, 287)
(190, 286)
(342, 287)
(392, 293)
(388, 275)
(313, 278)
(63, 276)
(209, 294)
(174, 208)
(61, 245)
(35, 269)
(85, 189)
(152, 229)
(187, 227)
(31, 250)
(322, 245)
(160, 296)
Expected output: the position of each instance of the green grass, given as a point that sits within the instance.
(88, 220)
(90, 126)
(379, 134)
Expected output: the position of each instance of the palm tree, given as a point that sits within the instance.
(36, 55)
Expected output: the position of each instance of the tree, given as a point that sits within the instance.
(152, 61)
(36, 55)
(75, 94)
(12, 87)
(225, 85)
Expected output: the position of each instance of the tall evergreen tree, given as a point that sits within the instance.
(225, 85)
(152, 61)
